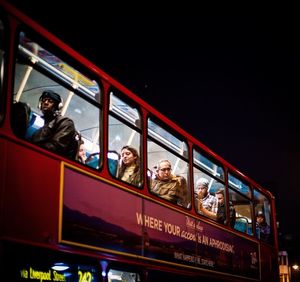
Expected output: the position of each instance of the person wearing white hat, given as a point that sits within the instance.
(207, 204)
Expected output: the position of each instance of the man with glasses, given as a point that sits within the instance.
(168, 186)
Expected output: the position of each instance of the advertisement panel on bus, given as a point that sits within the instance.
(100, 215)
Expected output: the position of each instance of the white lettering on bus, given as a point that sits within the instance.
(221, 245)
(188, 235)
(172, 229)
(149, 221)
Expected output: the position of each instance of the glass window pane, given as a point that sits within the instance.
(124, 142)
(207, 197)
(166, 138)
(263, 216)
(37, 70)
(239, 185)
(243, 210)
(205, 163)
(123, 110)
(52, 64)
(172, 184)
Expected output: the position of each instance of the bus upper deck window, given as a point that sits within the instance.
(240, 195)
(167, 165)
(125, 140)
(38, 74)
(263, 210)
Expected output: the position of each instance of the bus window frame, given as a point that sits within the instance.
(121, 96)
(65, 58)
(184, 158)
(136, 126)
(185, 155)
(211, 159)
(268, 213)
(3, 43)
(233, 189)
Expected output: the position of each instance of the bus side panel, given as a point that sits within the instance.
(269, 263)
(3, 174)
(31, 193)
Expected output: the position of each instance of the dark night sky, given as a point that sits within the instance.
(230, 79)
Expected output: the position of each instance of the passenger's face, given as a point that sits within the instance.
(202, 191)
(260, 219)
(81, 152)
(127, 157)
(47, 105)
(220, 198)
(164, 171)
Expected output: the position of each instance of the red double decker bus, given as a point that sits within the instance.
(65, 219)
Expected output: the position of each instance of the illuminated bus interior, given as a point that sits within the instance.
(37, 70)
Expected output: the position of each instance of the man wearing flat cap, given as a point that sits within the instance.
(58, 133)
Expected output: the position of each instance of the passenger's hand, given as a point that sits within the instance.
(200, 205)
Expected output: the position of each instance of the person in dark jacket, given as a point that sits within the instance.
(262, 227)
(221, 213)
(58, 133)
(21, 113)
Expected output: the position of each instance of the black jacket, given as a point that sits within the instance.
(58, 135)
(221, 214)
